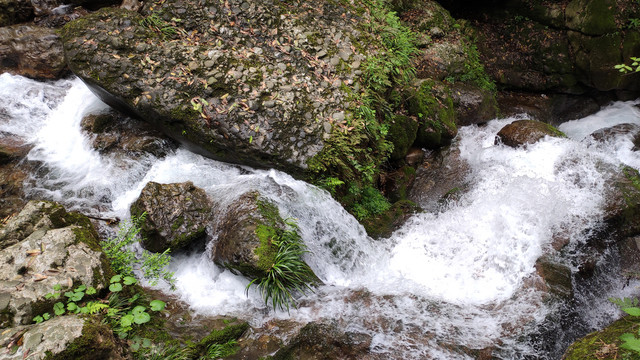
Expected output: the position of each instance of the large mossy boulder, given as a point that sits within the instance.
(257, 83)
(41, 247)
(177, 215)
(525, 132)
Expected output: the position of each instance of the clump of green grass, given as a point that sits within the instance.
(288, 273)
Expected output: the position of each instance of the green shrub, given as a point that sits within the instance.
(122, 258)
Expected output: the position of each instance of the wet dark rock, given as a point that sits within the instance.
(31, 51)
(177, 215)
(13, 172)
(440, 178)
(396, 184)
(43, 246)
(326, 341)
(622, 207)
(606, 134)
(12, 149)
(472, 104)
(524, 132)
(557, 277)
(629, 249)
(15, 11)
(115, 133)
(552, 108)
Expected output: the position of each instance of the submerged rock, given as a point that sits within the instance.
(524, 132)
(41, 247)
(616, 131)
(177, 215)
(31, 51)
(557, 277)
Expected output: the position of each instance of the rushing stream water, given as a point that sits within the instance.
(453, 279)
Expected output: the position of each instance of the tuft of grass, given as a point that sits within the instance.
(288, 273)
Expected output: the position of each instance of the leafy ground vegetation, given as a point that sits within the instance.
(126, 311)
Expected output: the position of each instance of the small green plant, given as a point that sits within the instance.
(122, 315)
(624, 68)
(634, 23)
(629, 306)
(331, 184)
(167, 30)
(370, 202)
(122, 258)
(288, 273)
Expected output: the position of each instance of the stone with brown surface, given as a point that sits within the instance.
(177, 215)
(525, 132)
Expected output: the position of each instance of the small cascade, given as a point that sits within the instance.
(444, 282)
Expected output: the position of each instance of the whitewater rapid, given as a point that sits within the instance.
(459, 276)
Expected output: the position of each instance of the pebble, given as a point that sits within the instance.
(339, 116)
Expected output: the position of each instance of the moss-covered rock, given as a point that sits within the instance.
(592, 17)
(524, 132)
(247, 231)
(402, 134)
(63, 338)
(605, 344)
(432, 104)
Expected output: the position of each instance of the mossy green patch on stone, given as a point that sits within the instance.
(591, 346)
(97, 342)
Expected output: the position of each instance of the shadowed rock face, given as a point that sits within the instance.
(31, 51)
(568, 46)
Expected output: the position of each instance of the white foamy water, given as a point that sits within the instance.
(457, 277)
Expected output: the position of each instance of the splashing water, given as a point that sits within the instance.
(459, 277)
